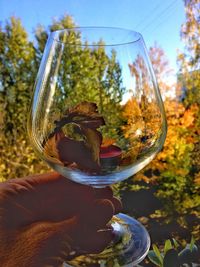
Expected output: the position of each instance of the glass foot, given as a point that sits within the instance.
(129, 248)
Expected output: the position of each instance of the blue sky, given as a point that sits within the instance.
(157, 20)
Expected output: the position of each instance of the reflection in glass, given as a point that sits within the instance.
(97, 116)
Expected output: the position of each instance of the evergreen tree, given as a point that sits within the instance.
(17, 55)
(17, 75)
(89, 74)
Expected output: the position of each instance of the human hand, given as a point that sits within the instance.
(47, 219)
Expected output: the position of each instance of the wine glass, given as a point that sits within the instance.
(97, 118)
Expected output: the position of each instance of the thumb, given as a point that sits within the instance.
(58, 242)
(46, 243)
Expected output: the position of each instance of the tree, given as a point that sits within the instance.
(89, 74)
(17, 56)
(142, 112)
(42, 33)
(162, 69)
(176, 185)
(178, 164)
(17, 75)
(174, 172)
(189, 75)
(189, 59)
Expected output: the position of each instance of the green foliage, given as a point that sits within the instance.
(173, 254)
(176, 170)
(189, 59)
(97, 80)
(17, 76)
(179, 182)
(19, 60)
(42, 32)
(178, 165)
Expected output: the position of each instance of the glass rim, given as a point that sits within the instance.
(134, 36)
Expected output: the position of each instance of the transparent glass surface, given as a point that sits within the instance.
(130, 249)
(97, 116)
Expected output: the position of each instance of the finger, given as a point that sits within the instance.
(99, 241)
(93, 242)
(91, 222)
(117, 204)
(56, 241)
(59, 241)
(43, 244)
(105, 192)
(98, 215)
(54, 182)
(48, 197)
(51, 182)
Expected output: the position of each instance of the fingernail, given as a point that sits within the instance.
(117, 204)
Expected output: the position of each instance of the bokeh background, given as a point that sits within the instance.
(165, 196)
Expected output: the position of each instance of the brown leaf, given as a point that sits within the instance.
(50, 147)
(87, 108)
(85, 114)
(69, 150)
(72, 151)
(93, 142)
